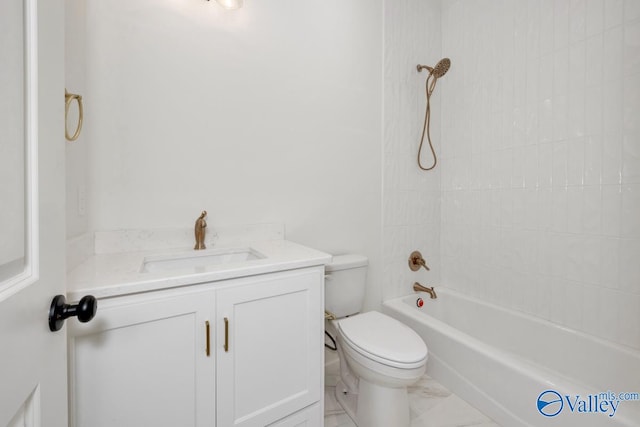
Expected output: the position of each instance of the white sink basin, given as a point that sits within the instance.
(198, 260)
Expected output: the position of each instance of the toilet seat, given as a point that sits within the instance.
(383, 339)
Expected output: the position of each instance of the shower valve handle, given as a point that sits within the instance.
(416, 261)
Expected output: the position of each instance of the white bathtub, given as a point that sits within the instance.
(501, 361)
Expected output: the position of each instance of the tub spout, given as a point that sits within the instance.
(419, 288)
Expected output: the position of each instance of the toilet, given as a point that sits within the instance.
(379, 356)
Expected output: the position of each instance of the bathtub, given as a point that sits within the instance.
(502, 361)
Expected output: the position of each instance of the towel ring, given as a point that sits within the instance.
(68, 98)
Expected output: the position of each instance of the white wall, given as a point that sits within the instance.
(541, 160)
(76, 152)
(271, 113)
(411, 214)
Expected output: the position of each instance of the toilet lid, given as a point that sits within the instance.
(382, 338)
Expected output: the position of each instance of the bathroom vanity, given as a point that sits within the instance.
(220, 341)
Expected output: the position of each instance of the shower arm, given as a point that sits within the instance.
(424, 67)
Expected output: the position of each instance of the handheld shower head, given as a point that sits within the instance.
(441, 67)
(439, 70)
(435, 73)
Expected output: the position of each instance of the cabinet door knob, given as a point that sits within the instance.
(60, 310)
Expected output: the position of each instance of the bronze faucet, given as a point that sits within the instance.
(201, 224)
(419, 288)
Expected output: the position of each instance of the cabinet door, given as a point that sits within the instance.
(142, 362)
(272, 365)
(308, 417)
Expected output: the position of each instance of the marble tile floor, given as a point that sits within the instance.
(432, 405)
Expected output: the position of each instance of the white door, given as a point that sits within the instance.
(33, 389)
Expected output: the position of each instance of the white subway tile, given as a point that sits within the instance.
(575, 257)
(577, 66)
(559, 172)
(612, 159)
(574, 209)
(631, 104)
(630, 213)
(577, 20)
(545, 209)
(530, 166)
(576, 125)
(610, 262)
(632, 48)
(593, 160)
(575, 161)
(531, 123)
(592, 257)
(611, 210)
(506, 208)
(558, 248)
(594, 20)
(542, 298)
(574, 301)
(546, 26)
(613, 49)
(608, 314)
(545, 165)
(613, 10)
(558, 303)
(592, 210)
(519, 126)
(613, 119)
(559, 209)
(590, 308)
(593, 111)
(631, 158)
(531, 218)
(561, 24)
(517, 168)
(631, 9)
(561, 72)
(629, 266)
(545, 115)
(560, 117)
(517, 195)
(594, 53)
(629, 320)
(545, 76)
(415, 214)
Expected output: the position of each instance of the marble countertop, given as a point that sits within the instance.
(114, 274)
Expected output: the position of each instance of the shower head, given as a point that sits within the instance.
(441, 67)
(439, 70)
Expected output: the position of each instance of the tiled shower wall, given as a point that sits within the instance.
(411, 213)
(541, 159)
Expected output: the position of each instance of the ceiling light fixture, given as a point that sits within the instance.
(230, 4)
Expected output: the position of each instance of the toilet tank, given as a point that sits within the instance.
(345, 281)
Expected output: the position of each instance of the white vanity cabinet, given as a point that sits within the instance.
(269, 353)
(142, 361)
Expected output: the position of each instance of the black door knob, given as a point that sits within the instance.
(60, 310)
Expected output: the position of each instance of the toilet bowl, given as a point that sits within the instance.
(379, 356)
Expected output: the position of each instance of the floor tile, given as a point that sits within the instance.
(431, 404)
